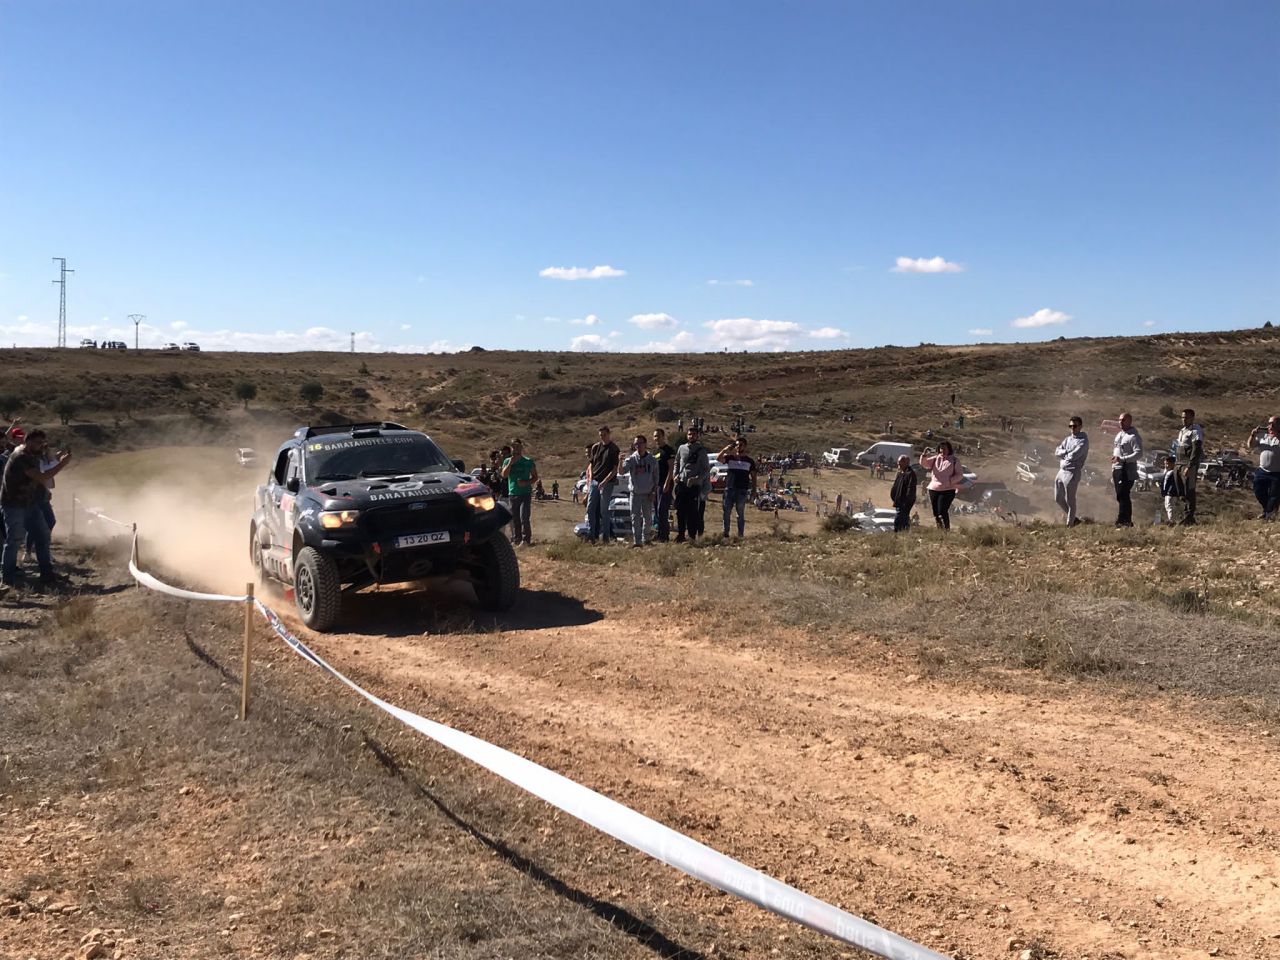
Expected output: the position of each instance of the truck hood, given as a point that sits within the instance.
(365, 492)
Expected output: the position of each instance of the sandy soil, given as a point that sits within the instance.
(974, 819)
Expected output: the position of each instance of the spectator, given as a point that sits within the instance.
(1071, 453)
(1169, 489)
(493, 475)
(666, 457)
(642, 468)
(1126, 451)
(693, 469)
(1266, 479)
(903, 495)
(739, 483)
(945, 477)
(555, 489)
(1188, 451)
(602, 474)
(20, 489)
(44, 504)
(520, 474)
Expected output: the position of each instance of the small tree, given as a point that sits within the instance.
(364, 367)
(311, 392)
(65, 408)
(246, 391)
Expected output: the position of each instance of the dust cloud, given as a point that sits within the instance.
(192, 518)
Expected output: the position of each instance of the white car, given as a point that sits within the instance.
(1028, 471)
(192, 347)
(171, 346)
(246, 456)
(838, 457)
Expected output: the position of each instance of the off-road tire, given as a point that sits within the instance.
(496, 575)
(317, 591)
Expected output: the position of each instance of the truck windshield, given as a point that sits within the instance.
(384, 456)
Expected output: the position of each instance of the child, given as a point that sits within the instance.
(1169, 487)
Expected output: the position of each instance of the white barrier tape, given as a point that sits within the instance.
(102, 516)
(636, 830)
(147, 580)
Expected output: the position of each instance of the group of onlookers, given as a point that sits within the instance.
(662, 476)
(27, 469)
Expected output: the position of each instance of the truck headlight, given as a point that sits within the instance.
(336, 519)
(483, 502)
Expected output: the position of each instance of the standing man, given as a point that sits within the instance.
(1071, 453)
(903, 495)
(666, 457)
(1266, 479)
(20, 490)
(1188, 451)
(1126, 451)
(642, 468)
(693, 468)
(520, 474)
(602, 474)
(739, 483)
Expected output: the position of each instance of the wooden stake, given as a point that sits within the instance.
(73, 518)
(244, 658)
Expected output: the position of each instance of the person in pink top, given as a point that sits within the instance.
(945, 478)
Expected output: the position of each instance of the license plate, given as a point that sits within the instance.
(421, 539)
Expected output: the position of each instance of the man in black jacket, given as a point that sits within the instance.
(903, 495)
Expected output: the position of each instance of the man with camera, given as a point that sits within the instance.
(1266, 479)
(22, 496)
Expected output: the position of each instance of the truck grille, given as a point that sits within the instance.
(393, 521)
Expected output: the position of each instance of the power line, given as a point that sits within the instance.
(62, 300)
(137, 319)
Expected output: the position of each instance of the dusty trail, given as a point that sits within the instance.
(970, 818)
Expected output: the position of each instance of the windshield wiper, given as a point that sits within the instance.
(326, 477)
(376, 472)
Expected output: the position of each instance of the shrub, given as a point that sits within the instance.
(838, 523)
(311, 392)
(649, 403)
(175, 380)
(65, 408)
(1167, 411)
(545, 374)
(246, 391)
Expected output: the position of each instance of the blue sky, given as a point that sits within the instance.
(272, 176)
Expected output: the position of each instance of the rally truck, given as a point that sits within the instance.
(358, 504)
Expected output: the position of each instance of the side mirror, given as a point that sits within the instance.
(292, 485)
(459, 466)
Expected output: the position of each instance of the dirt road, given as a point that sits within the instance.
(979, 820)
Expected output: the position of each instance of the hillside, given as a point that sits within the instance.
(471, 401)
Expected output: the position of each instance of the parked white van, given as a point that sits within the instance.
(887, 449)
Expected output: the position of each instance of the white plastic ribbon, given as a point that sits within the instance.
(636, 830)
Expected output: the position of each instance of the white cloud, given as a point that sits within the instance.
(654, 321)
(827, 333)
(743, 333)
(405, 326)
(590, 320)
(731, 283)
(682, 342)
(591, 341)
(981, 332)
(1044, 317)
(1148, 323)
(926, 265)
(581, 273)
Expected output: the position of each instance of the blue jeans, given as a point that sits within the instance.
(735, 499)
(520, 507)
(18, 523)
(46, 508)
(599, 523)
(1266, 487)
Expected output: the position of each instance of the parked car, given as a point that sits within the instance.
(192, 347)
(887, 449)
(619, 512)
(719, 476)
(1030, 471)
(1223, 462)
(88, 344)
(838, 457)
(114, 345)
(171, 347)
(246, 457)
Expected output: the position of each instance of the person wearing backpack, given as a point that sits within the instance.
(693, 469)
(945, 477)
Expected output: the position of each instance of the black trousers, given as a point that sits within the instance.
(902, 519)
(940, 501)
(688, 511)
(1124, 475)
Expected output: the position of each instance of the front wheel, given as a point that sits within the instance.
(317, 591)
(496, 575)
